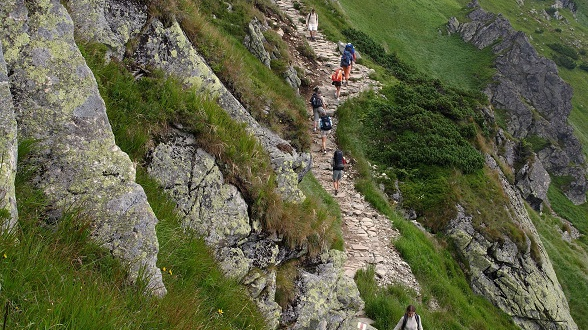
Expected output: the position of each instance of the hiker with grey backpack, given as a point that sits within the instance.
(410, 320)
(339, 163)
(318, 104)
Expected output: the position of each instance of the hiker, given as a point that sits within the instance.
(326, 124)
(337, 78)
(318, 104)
(338, 167)
(351, 49)
(410, 320)
(346, 61)
(312, 24)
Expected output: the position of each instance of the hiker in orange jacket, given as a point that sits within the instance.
(337, 78)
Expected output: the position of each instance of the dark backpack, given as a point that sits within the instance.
(338, 160)
(316, 101)
(325, 123)
(346, 58)
(418, 319)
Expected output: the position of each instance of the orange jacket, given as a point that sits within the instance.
(337, 75)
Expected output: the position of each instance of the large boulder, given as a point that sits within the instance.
(520, 280)
(208, 206)
(327, 299)
(528, 87)
(255, 41)
(57, 103)
(532, 180)
(112, 23)
(218, 213)
(8, 152)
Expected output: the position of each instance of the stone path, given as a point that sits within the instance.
(368, 234)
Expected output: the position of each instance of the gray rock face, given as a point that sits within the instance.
(112, 23)
(291, 77)
(57, 102)
(211, 208)
(532, 180)
(538, 101)
(8, 152)
(217, 212)
(522, 285)
(328, 299)
(254, 41)
(170, 50)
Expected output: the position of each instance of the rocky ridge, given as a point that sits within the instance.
(528, 87)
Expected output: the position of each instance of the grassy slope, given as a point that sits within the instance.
(411, 29)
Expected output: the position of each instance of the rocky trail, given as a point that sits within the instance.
(368, 234)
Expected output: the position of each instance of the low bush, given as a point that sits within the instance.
(564, 50)
(565, 61)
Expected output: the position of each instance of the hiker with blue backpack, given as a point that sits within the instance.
(325, 124)
(318, 104)
(346, 62)
(410, 320)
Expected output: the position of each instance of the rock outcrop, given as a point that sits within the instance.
(521, 282)
(8, 152)
(537, 100)
(217, 211)
(255, 41)
(112, 23)
(57, 103)
(326, 298)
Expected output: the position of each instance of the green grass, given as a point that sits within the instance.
(415, 31)
(570, 260)
(53, 277)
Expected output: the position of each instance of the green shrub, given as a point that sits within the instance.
(564, 50)
(564, 61)
(550, 10)
(584, 66)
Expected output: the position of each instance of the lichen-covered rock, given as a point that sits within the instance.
(291, 76)
(528, 86)
(262, 288)
(8, 152)
(520, 282)
(327, 299)
(217, 211)
(57, 103)
(112, 23)
(168, 48)
(254, 41)
(210, 207)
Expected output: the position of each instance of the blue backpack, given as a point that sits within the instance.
(346, 58)
(325, 123)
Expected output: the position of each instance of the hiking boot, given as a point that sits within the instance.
(336, 191)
